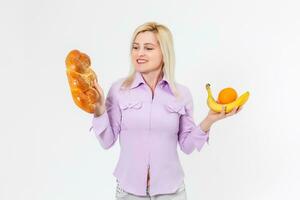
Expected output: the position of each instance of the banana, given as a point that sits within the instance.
(217, 107)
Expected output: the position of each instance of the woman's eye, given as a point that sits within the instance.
(147, 48)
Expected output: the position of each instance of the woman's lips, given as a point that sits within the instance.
(141, 61)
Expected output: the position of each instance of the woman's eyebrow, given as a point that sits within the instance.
(144, 43)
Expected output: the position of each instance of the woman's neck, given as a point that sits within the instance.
(153, 77)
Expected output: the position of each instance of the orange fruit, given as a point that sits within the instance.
(227, 95)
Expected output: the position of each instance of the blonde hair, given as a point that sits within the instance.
(165, 40)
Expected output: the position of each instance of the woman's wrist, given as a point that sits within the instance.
(206, 124)
(99, 110)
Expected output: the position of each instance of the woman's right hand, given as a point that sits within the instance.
(100, 105)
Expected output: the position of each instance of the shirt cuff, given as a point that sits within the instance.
(200, 137)
(100, 123)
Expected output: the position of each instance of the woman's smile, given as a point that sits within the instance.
(141, 61)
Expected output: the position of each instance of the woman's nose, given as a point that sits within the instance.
(141, 52)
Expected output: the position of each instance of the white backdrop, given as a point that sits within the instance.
(46, 150)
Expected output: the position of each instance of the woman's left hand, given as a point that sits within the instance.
(215, 116)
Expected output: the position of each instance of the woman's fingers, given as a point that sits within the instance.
(232, 112)
(97, 86)
(239, 109)
(223, 111)
(96, 83)
(99, 89)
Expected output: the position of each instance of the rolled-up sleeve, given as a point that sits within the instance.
(190, 135)
(106, 127)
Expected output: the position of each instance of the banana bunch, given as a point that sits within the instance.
(217, 107)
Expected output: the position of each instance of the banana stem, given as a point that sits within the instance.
(208, 89)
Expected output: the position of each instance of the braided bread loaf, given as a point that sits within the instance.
(81, 80)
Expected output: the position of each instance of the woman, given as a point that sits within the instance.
(149, 112)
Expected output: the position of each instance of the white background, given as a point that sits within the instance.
(46, 150)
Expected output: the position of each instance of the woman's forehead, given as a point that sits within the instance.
(146, 37)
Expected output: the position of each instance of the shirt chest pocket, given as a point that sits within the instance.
(169, 116)
(132, 115)
(131, 105)
(175, 108)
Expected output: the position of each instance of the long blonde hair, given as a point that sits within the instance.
(165, 40)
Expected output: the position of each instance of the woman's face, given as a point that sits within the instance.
(146, 54)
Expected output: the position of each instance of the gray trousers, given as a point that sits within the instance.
(180, 194)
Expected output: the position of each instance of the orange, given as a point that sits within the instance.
(227, 95)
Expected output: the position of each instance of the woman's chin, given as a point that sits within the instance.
(140, 69)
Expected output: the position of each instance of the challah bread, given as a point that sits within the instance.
(81, 80)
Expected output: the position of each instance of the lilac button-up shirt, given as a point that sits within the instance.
(149, 130)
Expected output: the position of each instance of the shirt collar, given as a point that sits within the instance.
(138, 80)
